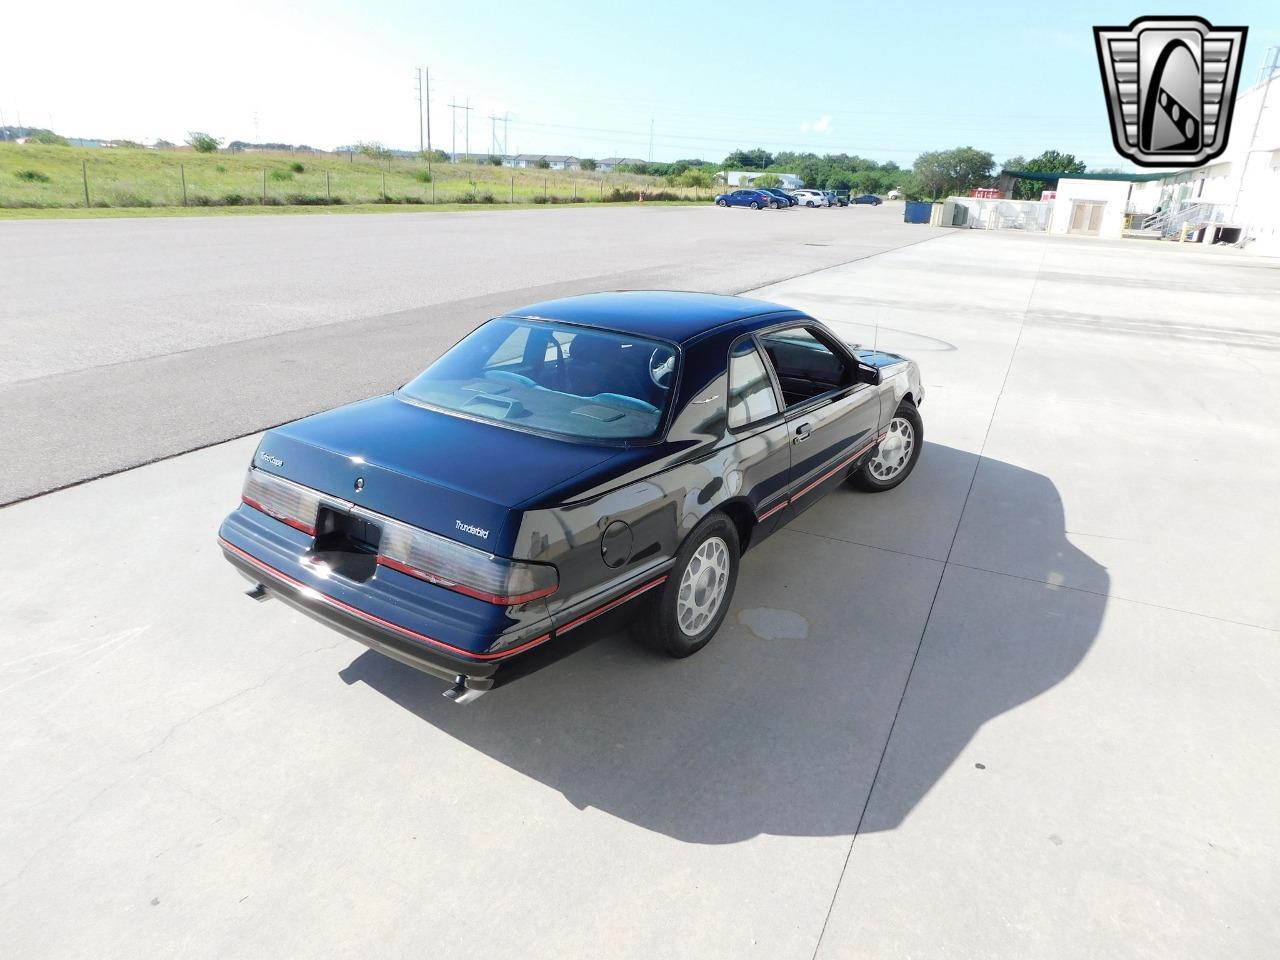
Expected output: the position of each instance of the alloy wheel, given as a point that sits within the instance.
(894, 452)
(702, 586)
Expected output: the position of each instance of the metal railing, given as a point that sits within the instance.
(1170, 222)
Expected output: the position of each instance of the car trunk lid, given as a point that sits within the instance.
(451, 475)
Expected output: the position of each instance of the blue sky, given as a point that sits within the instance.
(587, 79)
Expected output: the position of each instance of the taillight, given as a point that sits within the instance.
(283, 499)
(463, 569)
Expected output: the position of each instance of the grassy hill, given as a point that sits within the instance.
(50, 177)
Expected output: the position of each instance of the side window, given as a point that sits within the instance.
(806, 367)
(510, 352)
(751, 395)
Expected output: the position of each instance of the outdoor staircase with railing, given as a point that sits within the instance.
(1169, 223)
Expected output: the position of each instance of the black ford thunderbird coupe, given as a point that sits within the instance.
(560, 461)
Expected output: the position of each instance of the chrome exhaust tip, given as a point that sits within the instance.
(461, 693)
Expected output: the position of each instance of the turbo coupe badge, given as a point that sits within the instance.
(1171, 85)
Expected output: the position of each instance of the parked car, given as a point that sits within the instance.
(559, 462)
(870, 198)
(784, 199)
(812, 198)
(836, 199)
(755, 199)
(894, 195)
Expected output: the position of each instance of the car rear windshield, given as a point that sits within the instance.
(555, 378)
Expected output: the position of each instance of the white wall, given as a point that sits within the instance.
(1245, 181)
(1113, 193)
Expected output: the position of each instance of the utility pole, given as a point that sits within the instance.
(427, 74)
(506, 120)
(453, 152)
(493, 135)
(421, 144)
(467, 115)
(651, 139)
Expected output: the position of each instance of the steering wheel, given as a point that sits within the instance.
(660, 370)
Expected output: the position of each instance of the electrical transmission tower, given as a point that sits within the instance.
(497, 147)
(466, 108)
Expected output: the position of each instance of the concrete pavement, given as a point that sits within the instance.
(181, 333)
(1023, 705)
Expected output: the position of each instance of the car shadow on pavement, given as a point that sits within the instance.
(780, 729)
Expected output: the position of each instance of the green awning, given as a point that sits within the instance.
(1051, 177)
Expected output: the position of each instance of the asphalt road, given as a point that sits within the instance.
(180, 333)
(1024, 705)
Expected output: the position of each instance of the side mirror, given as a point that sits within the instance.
(868, 374)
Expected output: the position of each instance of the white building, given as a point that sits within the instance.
(608, 164)
(745, 178)
(1241, 188)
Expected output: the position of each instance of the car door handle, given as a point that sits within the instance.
(802, 433)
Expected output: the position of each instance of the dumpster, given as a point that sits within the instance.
(917, 211)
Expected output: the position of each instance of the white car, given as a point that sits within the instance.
(811, 198)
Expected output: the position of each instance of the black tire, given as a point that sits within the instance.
(722, 203)
(808, 203)
(754, 205)
(773, 204)
(864, 478)
(666, 634)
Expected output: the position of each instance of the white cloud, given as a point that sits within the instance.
(822, 125)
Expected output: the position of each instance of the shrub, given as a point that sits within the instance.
(32, 176)
(587, 163)
(281, 174)
(296, 167)
(221, 167)
(203, 142)
(49, 138)
(313, 200)
(373, 149)
(423, 175)
(495, 161)
(542, 163)
(200, 200)
(130, 200)
(235, 200)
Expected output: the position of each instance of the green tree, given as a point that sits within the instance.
(203, 142)
(766, 180)
(48, 137)
(941, 173)
(587, 163)
(542, 163)
(495, 160)
(757, 159)
(373, 150)
(1051, 161)
(695, 177)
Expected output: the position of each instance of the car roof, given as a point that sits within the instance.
(669, 314)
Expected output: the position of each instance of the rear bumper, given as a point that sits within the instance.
(417, 650)
(467, 671)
